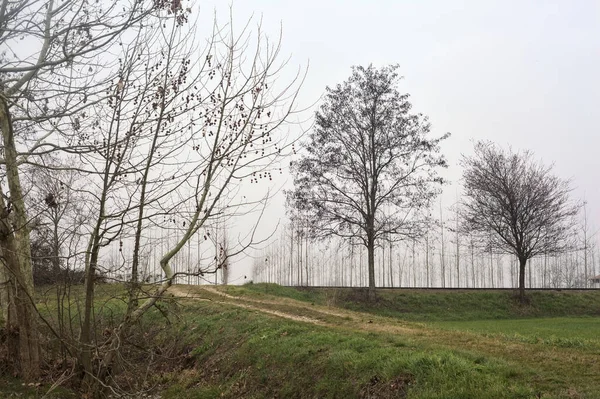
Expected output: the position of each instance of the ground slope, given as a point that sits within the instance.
(530, 369)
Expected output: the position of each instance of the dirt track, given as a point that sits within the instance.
(186, 292)
(294, 310)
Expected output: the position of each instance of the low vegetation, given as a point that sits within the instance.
(439, 305)
(248, 354)
(270, 341)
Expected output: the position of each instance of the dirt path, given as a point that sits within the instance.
(292, 307)
(576, 365)
(180, 291)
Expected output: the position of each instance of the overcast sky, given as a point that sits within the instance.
(519, 73)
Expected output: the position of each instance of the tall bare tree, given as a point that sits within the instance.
(44, 86)
(518, 203)
(369, 167)
(166, 132)
(190, 129)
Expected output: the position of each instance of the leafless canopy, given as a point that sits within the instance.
(528, 209)
(370, 167)
(516, 203)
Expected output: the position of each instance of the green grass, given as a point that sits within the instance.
(447, 305)
(576, 332)
(239, 353)
(550, 346)
(409, 343)
(245, 353)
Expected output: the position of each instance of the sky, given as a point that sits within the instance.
(524, 74)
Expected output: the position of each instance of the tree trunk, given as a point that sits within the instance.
(19, 265)
(306, 260)
(522, 263)
(371, 266)
(5, 285)
(85, 338)
(86, 328)
(8, 294)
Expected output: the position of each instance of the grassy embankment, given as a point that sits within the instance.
(408, 344)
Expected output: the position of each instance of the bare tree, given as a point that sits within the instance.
(191, 128)
(369, 167)
(518, 203)
(55, 208)
(45, 86)
(587, 246)
(167, 134)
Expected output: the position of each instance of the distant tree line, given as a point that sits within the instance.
(292, 259)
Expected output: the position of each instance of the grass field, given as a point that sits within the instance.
(267, 341)
(575, 332)
(252, 355)
(417, 344)
(440, 305)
